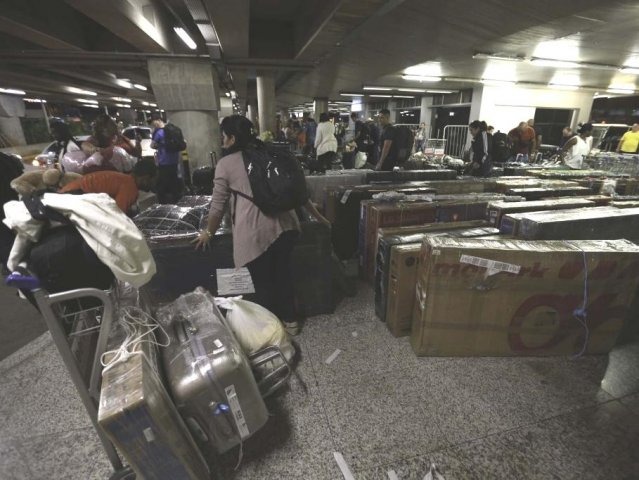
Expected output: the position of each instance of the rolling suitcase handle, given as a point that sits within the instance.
(277, 377)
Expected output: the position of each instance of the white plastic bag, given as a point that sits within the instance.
(254, 326)
(73, 161)
(360, 159)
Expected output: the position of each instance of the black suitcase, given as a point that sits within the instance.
(203, 180)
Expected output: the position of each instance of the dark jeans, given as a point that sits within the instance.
(325, 160)
(273, 279)
(169, 187)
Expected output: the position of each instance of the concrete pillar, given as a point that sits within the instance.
(188, 90)
(266, 101)
(320, 105)
(392, 107)
(251, 111)
(11, 109)
(426, 114)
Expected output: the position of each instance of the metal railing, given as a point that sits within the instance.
(456, 137)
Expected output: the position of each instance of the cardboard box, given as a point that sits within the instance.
(597, 223)
(139, 417)
(496, 210)
(396, 273)
(510, 224)
(489, 297)
(410, 175)
(547, 192)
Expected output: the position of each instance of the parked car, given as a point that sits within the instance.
(145, 134)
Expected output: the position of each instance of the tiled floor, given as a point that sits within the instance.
(377, 404)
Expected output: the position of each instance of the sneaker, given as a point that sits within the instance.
(292, 328)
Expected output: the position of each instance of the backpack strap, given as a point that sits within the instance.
(239, 194)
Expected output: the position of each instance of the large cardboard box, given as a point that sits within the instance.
(139, 417)
(490, 297)
(598, 223)
(496, 210)
(396, 274)
(537, 193)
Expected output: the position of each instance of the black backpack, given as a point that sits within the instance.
(173, 138)
(502, 147)
(277, 180)
(404, 137)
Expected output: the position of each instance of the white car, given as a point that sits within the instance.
(145, 134)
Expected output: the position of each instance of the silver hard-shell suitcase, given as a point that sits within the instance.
(211, 381)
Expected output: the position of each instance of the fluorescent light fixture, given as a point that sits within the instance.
(122, 105)
(630, 70)
(439, 91)
(124, 83)
(497, 83)
(560, 86)
(188, 41)
(547, 62)
(491, 56)
(620, 91)
(139, 87)
(352, 94)
(421, 78)
(80, 91)
(381, 96)
(84, 100)
(91, 106)
(12, 91)
(416, 90)
(336, 102)
(403, 96)
(146, 103)
(154, 105)
(381, 89)
(34, 100)
(121, 99)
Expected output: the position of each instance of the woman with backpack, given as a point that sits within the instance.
(262, 242)
(481, 149)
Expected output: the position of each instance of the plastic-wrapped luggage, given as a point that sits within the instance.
(209, 375)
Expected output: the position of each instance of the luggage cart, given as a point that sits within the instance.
(79, 321)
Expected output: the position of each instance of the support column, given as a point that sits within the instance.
(392, 105)
(320, 105)
(188, 90)
(426, 115)
(251, 111)
(11, 109)
(266, 101)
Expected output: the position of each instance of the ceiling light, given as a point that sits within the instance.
(124, 83)
(139, 87)
(416, 90)
(91, 106)
(185, 37)
(561, 86)
(421, 78)
(490, 56)
(146, 103)
(403, 96)
(439, 91)
(547, 62)
(227, 94)
(12, 91)
(381, 96)
(381, 89)
(497, 83)
(84, 100)
(121, 99)
(352, 94)
(154, 105)
(81, 91)
(122, 105)
(621, 91)
(34, 100)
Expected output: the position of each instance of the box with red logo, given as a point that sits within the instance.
(515, 297)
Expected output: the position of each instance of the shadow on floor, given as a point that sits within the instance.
(20, 322)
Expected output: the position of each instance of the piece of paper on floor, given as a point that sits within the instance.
(343, 466)
(392, 475)
(234, 281)
(355, 334)
(433, 473)
(332, 357)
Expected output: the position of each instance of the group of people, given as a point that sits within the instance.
(522, 143)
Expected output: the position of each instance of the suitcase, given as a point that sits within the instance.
(211, 380)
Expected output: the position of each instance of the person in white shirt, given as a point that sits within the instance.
(325, 142)
(577, 148)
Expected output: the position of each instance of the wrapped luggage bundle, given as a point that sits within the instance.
(209, 375)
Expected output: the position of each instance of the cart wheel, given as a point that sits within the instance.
(125, 474)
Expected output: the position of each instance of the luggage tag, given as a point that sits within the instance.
(234, 281)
